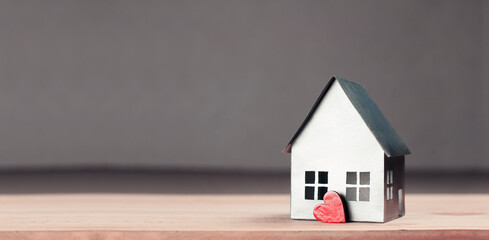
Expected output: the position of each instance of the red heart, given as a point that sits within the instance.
(332, 210)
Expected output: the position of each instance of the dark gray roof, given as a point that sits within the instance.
(386, 136)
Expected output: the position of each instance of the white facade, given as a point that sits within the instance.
(336, 140)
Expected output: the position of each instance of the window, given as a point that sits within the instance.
(358, 186)
(316, 185)
(310, 177)
(310, 193)
(389, 180)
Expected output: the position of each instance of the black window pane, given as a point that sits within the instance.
(321, 192)
(323, 177)
(310, 177)
(351, 193)
(351, 177)
(364, 194)
(365, 178)
(309, 193)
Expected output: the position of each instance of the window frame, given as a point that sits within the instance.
(389, 181)
(316, 185)
(359, 185)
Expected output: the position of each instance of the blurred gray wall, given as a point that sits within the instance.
(485, 105)
(224, 84)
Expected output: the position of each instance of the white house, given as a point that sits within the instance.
(345, 144)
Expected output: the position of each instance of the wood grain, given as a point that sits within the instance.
(158, 216)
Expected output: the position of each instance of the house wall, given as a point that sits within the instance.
(391, 205)
(337, 140)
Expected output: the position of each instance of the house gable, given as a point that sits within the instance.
(337, 129)
(384, 133)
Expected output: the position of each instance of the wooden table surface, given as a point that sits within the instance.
(160, 216)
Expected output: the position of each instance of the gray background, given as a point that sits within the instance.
(224, 84)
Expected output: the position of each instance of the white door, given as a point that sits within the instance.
(399, 197)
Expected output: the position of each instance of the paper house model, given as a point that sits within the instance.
(345, 144)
